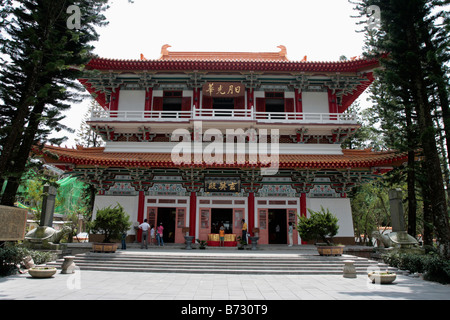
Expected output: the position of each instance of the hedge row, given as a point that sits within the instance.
(431, 265)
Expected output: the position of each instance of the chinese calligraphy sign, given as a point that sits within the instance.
(222, 185)
(223, 89)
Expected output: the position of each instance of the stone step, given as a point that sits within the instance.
(194, 262)
(224, 263)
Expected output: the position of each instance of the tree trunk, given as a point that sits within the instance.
(432, 167)
(411, 172)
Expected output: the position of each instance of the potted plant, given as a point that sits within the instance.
(111, 223)
(202, 243)
(321, 225)
(241, 243)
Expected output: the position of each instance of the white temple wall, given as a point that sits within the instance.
(340, 207)
(129, 204)
(315, 102)
(132, 100)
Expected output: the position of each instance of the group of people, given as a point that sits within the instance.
(158, 234)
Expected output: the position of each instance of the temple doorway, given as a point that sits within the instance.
(167, 216)
(221, 217)
(277, 226)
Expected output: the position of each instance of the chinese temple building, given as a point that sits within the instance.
(200, 140)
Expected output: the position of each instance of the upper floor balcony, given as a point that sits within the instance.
(248, 115)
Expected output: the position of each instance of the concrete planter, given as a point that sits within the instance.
(382, 278)
(104, 247)
(330, 250)
(42, 272)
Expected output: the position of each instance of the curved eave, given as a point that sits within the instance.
(233, 65)
(351, 159)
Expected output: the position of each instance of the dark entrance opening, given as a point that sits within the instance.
(223, 103)
(168, 217)
(221, 217)
(277, 226)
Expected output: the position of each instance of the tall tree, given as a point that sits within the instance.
(88, 137)
(37, 82)
(411, 72)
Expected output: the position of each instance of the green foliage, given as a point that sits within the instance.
(43, 58)
(12, 255)
(87, 136)
(9, 259)
(321, 224)
(432, 265)
(202, 243)
(111, 222)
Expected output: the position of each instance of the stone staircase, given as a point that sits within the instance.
(229, 262)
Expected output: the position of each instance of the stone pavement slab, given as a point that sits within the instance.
(98, 285)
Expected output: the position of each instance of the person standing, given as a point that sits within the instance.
(291, 234)
(152, 235)
(159, 234)
(244, 231)
(124, 240)
(222, 236)
(144, 227)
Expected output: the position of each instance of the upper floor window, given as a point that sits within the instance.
(172, 101)
(274, 102)
(223, 103)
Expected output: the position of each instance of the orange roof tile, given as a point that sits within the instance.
(226, 61)
(223, 56)
(97, 156)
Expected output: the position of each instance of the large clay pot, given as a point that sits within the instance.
(42, 272)
(330, 250)
(382, 278)
(104, 247)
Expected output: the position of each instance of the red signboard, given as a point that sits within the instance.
(223, 89)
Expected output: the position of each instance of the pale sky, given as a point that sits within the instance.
(323, 30)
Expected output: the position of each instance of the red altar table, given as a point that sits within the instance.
(229, 241)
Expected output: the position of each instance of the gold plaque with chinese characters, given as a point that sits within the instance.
(223, 89)
(222, 185)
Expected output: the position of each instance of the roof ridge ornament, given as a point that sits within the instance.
(283, 52)
(164, 51)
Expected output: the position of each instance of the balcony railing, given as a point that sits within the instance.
(224, 114)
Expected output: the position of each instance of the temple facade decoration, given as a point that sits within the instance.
(200, 140)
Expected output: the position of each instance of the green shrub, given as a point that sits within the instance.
(432, 265)
(320, 225)
(12, 255)
(437, 269)
(111, 222)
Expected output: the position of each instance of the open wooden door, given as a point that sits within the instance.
(152, 215)
(238, 215)
(292, 217)
(205, 226)
(180, 224)
(263, 226)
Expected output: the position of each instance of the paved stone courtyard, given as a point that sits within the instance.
(95, 285)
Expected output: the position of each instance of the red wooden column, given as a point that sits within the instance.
(298, 104)
(148, 101)
(332, 103)
(140, 218)
(251, 213)
(303, 211)
(192, 214)
(114, 104)
(250, 98)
